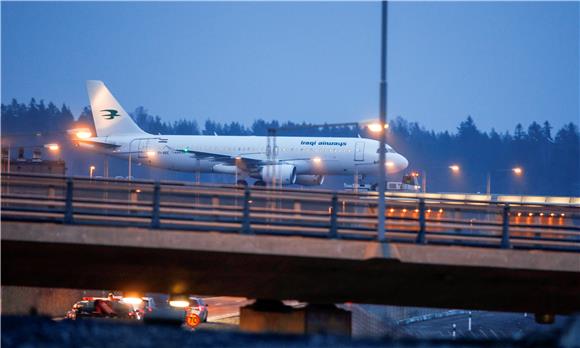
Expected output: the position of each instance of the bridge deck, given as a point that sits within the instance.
(289, 267)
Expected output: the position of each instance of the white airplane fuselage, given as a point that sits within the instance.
(285, 160)
(310, 155)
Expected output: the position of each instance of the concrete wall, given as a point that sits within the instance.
(20, 300)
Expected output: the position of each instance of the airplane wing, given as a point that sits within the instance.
(245, 161)
(98, 144)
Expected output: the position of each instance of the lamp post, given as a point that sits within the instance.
(518, 171)
(91, 171)
(383, 123)
(130, 157)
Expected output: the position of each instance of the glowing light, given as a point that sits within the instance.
(390, 163)
(317, 160)
(530, 214)
(179, 303)
(454, 167)
(83, 134)
(415, 174)
(416, 210)
(519, 214)
(552, 214)
(80, 133)
(440, 210)
(375, 127)
(52, 147)
(404, 210)
(150, 153)
(138, 190)
(392, 210)
(238, 158)
(562, 215)
(518, 170)
(428, 210)
(132, 300)
(541, 214)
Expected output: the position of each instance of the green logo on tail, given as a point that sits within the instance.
(111, 114)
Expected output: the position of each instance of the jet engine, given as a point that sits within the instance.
(310, 180)
(279, 173)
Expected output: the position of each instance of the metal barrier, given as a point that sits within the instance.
(294, 212)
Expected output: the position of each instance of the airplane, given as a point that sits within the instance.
(293, 160)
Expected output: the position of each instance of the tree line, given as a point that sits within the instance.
(549, 158)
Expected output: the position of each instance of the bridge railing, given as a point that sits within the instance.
(308, 213)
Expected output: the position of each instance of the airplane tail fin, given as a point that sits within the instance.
(108, 115)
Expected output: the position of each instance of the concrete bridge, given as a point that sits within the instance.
(289, 267)
(473, 252)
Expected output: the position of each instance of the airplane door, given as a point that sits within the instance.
(359, 151)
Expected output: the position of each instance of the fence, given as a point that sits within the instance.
(294, 212)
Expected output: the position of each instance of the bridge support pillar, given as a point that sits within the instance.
(275, 317)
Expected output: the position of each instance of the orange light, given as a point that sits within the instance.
(416, 210)
(392, 210)
(530, 214)
(552, 214)
(519, 214)
(316, 160)
(376, 127)
(138, 190)
(80, 133)
(52, 147)
(440, 210)
(150, 153)
(390, 163)
(404, 210)
(455, 168)
(428, 210)
(541, 214)
(562, 215)
(84, 134)
(518, 170)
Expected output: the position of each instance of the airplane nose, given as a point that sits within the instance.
(402, 162)
(396, 163)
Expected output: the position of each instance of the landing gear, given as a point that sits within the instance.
(260, 183)
(242, 183)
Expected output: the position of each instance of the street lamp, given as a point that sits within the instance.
(52, 147)
(80, 133)
(376, 127)
(518, 171)
(91, 171)
(455, 169)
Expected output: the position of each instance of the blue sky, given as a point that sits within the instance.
(502, 63)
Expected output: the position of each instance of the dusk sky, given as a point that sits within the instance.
(502, 63)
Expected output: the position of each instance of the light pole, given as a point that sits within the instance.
(518, 171)
(130, 157)
(383, 122)
(91, 171)
(455, 169)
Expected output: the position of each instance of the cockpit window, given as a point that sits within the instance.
(389, 149)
